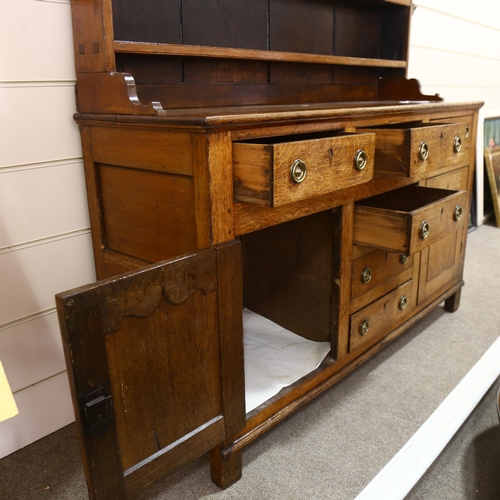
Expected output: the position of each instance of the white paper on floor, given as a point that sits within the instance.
(275, 358)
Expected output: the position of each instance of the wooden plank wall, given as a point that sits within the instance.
(44, 228)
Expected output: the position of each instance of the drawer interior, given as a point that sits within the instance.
(284, 139)
(408, 219)
(406, 199)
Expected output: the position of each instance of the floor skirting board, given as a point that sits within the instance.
(399, 476)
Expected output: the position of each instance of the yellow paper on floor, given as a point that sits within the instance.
(8, 408)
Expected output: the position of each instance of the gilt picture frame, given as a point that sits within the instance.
(492, 160)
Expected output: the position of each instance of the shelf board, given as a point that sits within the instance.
(120, 46)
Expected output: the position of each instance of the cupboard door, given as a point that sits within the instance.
(442, 263)
(155, 361)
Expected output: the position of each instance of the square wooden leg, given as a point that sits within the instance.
(451, 304)
(225, 470)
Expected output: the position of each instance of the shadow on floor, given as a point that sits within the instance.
(484, 460)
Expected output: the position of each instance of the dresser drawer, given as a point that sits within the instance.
(466, 121)
(408, 219)
(383, 315)
(375, 268)
(408, 150)
(280, 170)
(458, 180)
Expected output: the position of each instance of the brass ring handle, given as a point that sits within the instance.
(467, 131)
(298, 171)
(457, 144)
(404, 259)
(366, 275)
(403, 302)
(458, 213)
(423, 151)
(360, 159)
(424, 230)
(364, 327)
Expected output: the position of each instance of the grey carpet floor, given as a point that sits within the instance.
(469, 467)
(333, 447)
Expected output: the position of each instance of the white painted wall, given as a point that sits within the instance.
(454, 51)
(45, 243)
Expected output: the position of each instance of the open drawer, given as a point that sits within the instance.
(412, 149)
(408, 219)
(275, 171)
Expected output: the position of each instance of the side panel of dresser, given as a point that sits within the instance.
(154, 194)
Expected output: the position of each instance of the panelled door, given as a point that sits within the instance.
(155, 362)
(442, 262)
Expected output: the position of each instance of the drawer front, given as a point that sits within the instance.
(376, 268)
(285, 170)
(466, 132)
(412, 151)
(409, 219)
(381, 316)
(457, 180)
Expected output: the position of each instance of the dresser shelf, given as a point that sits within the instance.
(126, 47)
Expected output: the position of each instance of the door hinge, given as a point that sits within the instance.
(96, 410)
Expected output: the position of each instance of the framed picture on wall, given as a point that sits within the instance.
(492, 161)
(492, 158)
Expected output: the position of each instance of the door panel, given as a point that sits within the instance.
(441, 265)
(442, 262)
(155, 360)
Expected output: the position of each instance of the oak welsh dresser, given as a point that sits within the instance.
(268, 155)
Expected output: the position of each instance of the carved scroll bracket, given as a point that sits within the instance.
(403, 89)
(112, 93)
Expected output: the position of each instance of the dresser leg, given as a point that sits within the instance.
(225, 470)
(451, 304)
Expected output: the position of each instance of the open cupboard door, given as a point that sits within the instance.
(155, 363)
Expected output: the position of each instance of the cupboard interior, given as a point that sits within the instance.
(290, 277)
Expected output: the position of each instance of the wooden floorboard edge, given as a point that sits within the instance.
(404, 470)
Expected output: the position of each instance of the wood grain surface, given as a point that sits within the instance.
(262, 167)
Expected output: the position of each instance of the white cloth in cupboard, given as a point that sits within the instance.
(275, 358)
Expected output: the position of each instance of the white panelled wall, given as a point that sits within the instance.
(45, 245)
(454, 51)
(45, 242)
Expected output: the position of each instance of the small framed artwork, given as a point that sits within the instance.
(492, 161)
(492, 158)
